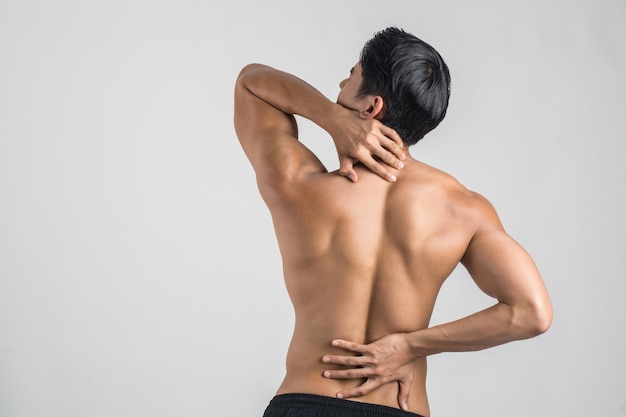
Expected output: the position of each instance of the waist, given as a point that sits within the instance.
(322, 406)
(307, 378)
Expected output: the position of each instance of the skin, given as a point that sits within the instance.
(363, 257)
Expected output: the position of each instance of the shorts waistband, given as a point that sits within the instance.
(335, 407)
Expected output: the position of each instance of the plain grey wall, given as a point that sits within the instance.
(138, 269)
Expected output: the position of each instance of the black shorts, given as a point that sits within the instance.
(308, 405)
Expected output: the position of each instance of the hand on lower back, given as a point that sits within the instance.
(387, 360)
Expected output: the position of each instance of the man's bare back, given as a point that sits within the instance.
(368, 259)
(365, 258)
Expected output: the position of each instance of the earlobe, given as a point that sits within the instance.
(376, 108)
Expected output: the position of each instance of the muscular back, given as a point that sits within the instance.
(367, 259)
(362, 260)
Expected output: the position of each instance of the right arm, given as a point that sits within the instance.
(288, 95)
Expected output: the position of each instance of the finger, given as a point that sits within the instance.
(352, 361)
(403, 395)
(391, 141)
(356, 373)
(389, 158)
(367, 387)
(346, 168)
(351, 346)
(392, 134)
(378, 169)
(395, 148)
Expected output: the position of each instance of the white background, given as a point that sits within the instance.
(139, 275)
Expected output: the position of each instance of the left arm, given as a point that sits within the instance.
(502, 269)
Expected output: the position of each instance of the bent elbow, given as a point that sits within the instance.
(538, 318)
(543, 319)
(542, 323)
(248, 69)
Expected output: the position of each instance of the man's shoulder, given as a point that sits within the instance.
(446, 190)
(418, 183)
(421, 176)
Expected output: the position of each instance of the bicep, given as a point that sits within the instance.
(268, 137)
(500, 266)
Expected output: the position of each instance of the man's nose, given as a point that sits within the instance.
(342, 83)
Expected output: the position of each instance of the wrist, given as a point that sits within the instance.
(329, 115)
(416, 344)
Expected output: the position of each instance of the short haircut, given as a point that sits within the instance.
(412, 79)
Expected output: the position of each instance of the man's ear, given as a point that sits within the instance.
(376, 108)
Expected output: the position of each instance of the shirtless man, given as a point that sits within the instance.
(364, 257)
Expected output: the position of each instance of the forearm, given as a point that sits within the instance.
(289, 94)
(356, 138)
(390, 358)
(493, 326)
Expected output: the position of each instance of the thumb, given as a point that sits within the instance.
(403, 395)
(346, 168)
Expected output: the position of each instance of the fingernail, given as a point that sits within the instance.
(325, 359)
(400, 165)
(340, 395)
(335, 343)
(326, 374)
(391, 178)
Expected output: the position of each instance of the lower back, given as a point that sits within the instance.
(352, 306)
(305, 375)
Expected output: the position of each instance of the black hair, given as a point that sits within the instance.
(412, 79)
